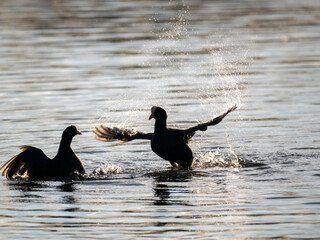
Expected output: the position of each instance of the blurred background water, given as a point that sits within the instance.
(108, 62)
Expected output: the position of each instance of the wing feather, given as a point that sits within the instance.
(108, 134)
(29, 162)
(214, 121)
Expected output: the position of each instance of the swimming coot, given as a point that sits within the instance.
(33, 163)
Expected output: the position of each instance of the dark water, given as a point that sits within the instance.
(91, 62)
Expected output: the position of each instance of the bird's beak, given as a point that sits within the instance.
(151, 116)
(153, 109)
(79, 133)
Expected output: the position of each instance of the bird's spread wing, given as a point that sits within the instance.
(214, 121)
(29, 160)
(108, 134)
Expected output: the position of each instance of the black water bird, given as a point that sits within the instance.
(170, 144)
(33, 163)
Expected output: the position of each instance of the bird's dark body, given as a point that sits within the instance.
(171, 145)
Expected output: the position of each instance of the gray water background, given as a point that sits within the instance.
(108, 62)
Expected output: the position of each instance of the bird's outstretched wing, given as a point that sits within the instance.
(29, 162)
(214, 121)
(108, 134)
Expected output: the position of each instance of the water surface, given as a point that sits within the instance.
(92, 62)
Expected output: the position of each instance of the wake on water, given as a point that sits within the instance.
(209, 159)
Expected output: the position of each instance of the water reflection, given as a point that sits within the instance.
(32, 186)
(162, 189)
(69, 199)
(162, 192)
(26, 186)
(35, 191)
(28, 191)
(67, 187)
(175, 175)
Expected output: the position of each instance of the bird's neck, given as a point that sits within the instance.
(160, 124)
(65, 146)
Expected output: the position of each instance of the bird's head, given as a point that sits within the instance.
(158, 113)
(71, 131)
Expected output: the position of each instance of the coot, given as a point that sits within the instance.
(33, 163)
(168, 143)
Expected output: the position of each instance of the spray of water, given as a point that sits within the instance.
(107, 168)
(212, 69)
(186, 75)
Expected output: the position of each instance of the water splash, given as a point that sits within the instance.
(158, 56)
(197, 79)
(205, 74)
(217, 159)
(101, 172)
(181, 72)
(106, 169)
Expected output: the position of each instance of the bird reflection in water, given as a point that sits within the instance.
(69, 199)
(172, 175)
(37, 191)
(67, 187)
(162, 190)
(26, 186)
(28, 190)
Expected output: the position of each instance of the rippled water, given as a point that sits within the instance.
(91, 62)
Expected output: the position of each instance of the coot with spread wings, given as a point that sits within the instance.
(168, 143)
(33, 163)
